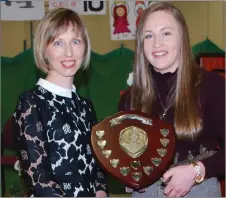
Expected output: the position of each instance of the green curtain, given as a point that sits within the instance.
(105, 78)
(18, 74)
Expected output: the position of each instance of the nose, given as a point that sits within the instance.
(68, 50)
(157, 41)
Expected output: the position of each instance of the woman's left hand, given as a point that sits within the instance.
(101, 194)
(181, 180)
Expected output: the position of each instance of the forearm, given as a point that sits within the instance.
(50, 189)
(38, 176)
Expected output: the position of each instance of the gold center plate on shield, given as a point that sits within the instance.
(133, 141)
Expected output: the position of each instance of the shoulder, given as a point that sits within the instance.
(26, 104)
(212, 82)
(29, 96)
(84, 102)
(212, 77)
(32, 99)
(212, 89)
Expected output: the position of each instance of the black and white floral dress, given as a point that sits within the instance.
(52, 126)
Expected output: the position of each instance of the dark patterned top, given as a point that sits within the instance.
(52, 127)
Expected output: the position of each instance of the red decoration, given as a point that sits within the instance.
(213, 62)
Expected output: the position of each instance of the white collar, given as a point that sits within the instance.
(55, 89)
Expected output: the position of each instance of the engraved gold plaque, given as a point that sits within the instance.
(135, 164)
(100, 133)
(162, 152)
(114, 162)
(164, 141)
(156, 161)
(106, 153)
(101, 143)
(124, 170)
(137, 176)
(148, 170)
(133, 141)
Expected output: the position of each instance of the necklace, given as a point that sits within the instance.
(165, 110)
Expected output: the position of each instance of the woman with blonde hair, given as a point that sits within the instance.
(52, 123)
(169, 84)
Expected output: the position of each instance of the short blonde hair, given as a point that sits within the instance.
(54, 23)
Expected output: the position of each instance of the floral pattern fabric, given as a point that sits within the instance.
(53, 140)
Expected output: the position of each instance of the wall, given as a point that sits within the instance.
(203, 18)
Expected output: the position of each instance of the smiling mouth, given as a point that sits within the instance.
(159, 54)
(68, 64)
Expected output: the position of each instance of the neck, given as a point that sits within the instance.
(65, 82)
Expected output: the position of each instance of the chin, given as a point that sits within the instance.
(71, 72)
(160, 67)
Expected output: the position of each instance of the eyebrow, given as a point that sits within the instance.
(160, 29)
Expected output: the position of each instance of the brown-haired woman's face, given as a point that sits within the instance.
(162, 41)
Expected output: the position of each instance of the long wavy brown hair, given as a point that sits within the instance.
(187, 117)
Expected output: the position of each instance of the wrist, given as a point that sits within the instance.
(202, 168)
(101, 193)
(199, 171)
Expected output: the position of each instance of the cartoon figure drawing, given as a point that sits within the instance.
(120, 12)
(139, 8)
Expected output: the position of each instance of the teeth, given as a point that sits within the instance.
(68, 63)
(159, 53)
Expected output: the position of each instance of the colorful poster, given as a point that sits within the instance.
(124, 17)
(82, 7)
(22, 10)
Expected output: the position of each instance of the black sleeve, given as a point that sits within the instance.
(32, 147)
(216, 105)
(101, 180)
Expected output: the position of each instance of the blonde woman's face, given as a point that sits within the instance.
(66, 53)
(162, 41)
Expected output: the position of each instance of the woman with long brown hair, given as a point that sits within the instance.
(168, 83)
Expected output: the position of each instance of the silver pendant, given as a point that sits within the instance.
(163, 115)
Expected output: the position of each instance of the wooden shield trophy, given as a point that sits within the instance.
(134, 147)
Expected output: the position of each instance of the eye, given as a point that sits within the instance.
(76, 41)
(148, 36)
(58, 43)
(166, 33)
